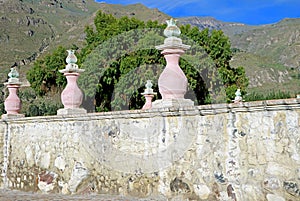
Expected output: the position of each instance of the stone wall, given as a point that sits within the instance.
(242, 152)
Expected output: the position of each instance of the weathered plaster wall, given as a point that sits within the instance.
(248, 151)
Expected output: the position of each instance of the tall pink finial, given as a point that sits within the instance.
(172, 82)
(71, 96)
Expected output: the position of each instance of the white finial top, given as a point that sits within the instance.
(172, 30)
(71, 58)
(13, 73)
(71, 63)
(148, 90)
(13, 76)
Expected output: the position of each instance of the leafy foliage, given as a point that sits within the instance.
(33, 105)
(271, 95)
(217, 45)
(44, 75)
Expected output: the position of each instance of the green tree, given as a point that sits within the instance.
(44, 76)
(217, 45)
(268, 96)
(33, 105)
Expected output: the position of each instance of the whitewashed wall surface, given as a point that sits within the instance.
(241, 152)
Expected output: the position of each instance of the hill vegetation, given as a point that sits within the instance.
(269, 53)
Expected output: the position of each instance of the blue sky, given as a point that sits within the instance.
(252, 12)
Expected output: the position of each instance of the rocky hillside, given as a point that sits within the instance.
(30, 28)
(280, 41)
(138, 11)
(269, 53)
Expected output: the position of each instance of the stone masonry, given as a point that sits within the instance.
(234, 152)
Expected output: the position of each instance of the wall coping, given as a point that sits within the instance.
(202, 110)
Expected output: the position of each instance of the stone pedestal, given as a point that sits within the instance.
(175, 103)
(71, 111)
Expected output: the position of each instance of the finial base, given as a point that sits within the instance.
(71, 111)
(173, 43)
(12, 116)
(13, 81)
(172, 103)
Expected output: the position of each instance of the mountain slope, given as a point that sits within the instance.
(138, 11)
(31, 28)
(280, 42)
(28, 27)
(269, 53)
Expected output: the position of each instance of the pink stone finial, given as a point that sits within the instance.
(172, 82)
(148, 94)
(71, 96)
(148, 104)
(12, 103)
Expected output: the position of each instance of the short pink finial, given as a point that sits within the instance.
(148, 104)
(149, 95)
(12, 103)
